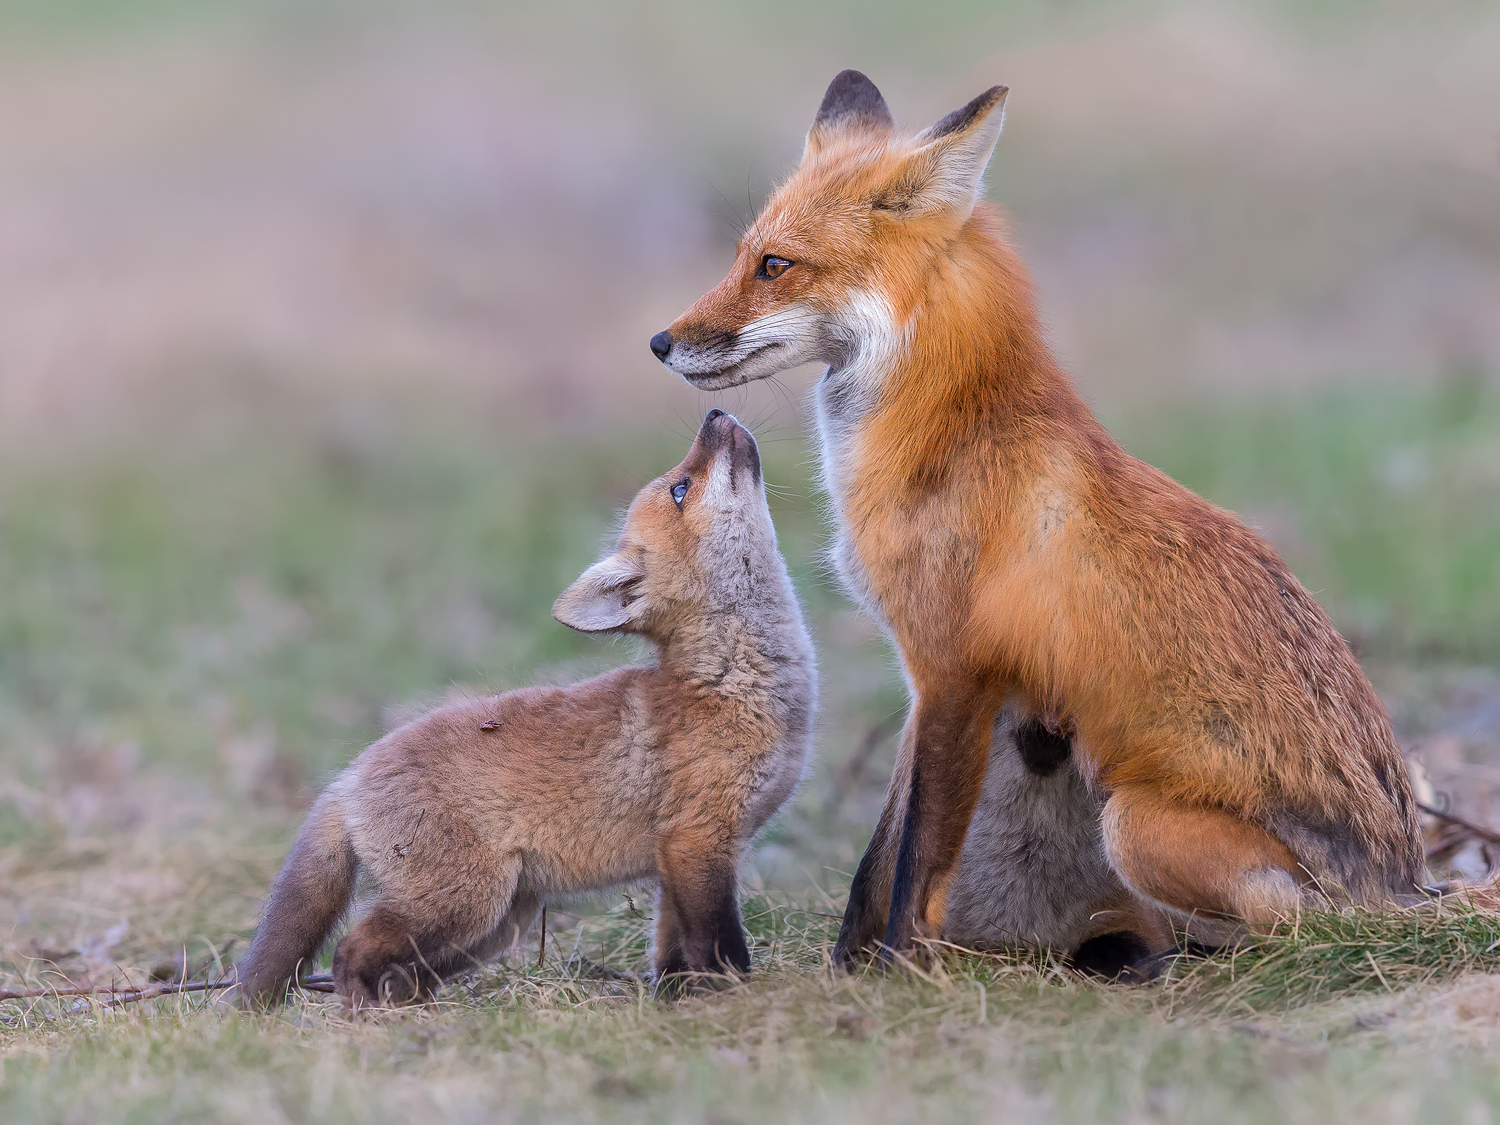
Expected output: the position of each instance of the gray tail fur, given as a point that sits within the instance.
(307, 900)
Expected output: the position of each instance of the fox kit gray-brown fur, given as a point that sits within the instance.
(471, 817)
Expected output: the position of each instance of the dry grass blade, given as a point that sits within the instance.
(118, 994)
(124, 994)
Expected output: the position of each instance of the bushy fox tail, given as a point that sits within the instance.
(308, 898)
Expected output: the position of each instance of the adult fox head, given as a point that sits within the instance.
(697, 541)
(839, 258)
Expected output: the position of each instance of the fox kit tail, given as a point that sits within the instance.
(308, 898)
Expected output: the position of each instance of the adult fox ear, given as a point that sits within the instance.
(945, 170)
(851, 104)
(606, 597)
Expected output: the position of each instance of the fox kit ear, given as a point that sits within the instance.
(945, 169)
(851, 103)
(606, 597)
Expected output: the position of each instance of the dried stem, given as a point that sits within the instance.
(115, 994)
(1489, 835)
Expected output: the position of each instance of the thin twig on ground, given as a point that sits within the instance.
(1489, 835)
(118, 994)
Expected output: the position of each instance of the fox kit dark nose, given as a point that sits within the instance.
(712, 433)
(720, 430)
(661, 344)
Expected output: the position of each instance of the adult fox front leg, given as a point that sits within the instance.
(1223, 746)
(901, 884)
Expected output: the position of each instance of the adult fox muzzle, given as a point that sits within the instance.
(472, 816)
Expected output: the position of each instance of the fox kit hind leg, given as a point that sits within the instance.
(410, 943)
(1033, 870)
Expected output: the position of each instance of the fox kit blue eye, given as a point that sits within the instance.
(679, 490)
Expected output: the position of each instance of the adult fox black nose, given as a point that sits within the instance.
(661, 344)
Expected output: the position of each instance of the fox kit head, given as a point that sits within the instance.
(837, 261)
(697, 541)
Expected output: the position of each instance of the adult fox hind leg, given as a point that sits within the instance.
(1206, 865)
(1128, 939)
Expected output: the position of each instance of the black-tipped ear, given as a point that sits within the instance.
(945, 169)
(963, 118)
(851, 95)
(851, 102)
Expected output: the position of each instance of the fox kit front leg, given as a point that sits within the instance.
(946, 751)
(698, 920)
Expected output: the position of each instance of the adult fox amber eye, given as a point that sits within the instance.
(774, 267)
(679, 490)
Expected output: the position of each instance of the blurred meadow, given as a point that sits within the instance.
(323, 369)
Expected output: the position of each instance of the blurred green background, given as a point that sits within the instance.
(323, 329)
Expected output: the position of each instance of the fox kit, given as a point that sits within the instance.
(470, 818)
(1171, 726)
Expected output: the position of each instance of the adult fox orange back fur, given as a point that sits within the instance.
(1226, 758)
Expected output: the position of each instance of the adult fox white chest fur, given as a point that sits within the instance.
(471, 817)
(1170, 723)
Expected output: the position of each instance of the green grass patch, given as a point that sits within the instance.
(1328, 956)
(1386, 505)
(968, 1037)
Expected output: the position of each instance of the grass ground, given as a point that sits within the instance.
(193, 635)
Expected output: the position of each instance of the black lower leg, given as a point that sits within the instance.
(1125, 956)
(899, 926)
(710, 938)
(862, 921)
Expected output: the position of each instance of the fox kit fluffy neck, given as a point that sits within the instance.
(751, 653)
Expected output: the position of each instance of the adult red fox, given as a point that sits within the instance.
(470, 818)
(1213, 749)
